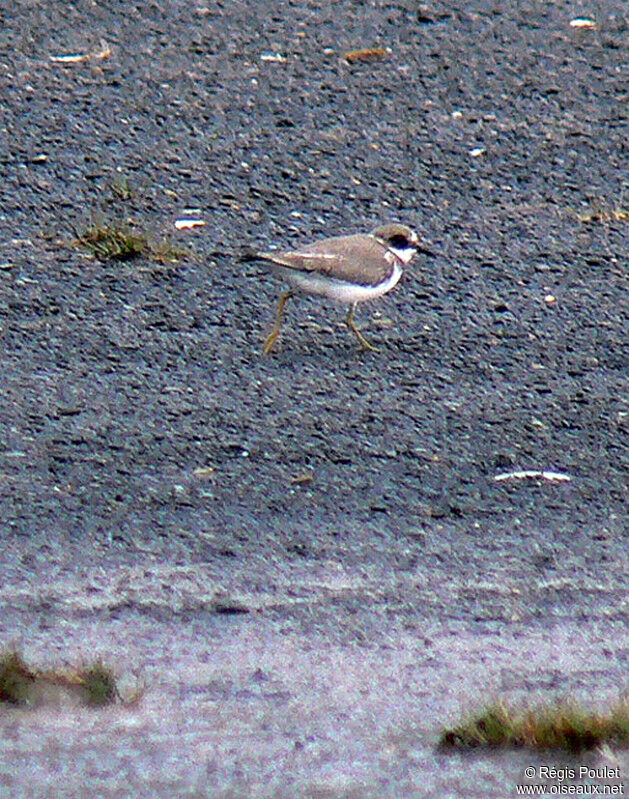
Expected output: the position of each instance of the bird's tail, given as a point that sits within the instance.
(248, 254)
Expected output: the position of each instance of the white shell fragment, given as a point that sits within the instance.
(552, 477)
(582, 22)
(277, 58)
(188, 224)
(68, 59)
(76, 58)
(477, 151)
(203, 471)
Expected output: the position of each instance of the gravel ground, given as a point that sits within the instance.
(307, 557)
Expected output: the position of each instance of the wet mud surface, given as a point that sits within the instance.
(307, 558)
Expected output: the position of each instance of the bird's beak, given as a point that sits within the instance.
(422, 246)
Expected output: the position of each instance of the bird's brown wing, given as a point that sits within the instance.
(357, 259)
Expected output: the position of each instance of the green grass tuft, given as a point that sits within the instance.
(121, 188)
(16, 679)
(99, 684)
(564, 725)
(116, 241)
(93, 685)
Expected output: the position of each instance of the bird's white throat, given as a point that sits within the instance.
(405, 254)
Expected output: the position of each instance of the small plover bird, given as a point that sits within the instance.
(347, 269)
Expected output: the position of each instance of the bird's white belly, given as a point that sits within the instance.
(338, 290)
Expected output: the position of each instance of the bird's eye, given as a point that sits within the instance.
(399, 241)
